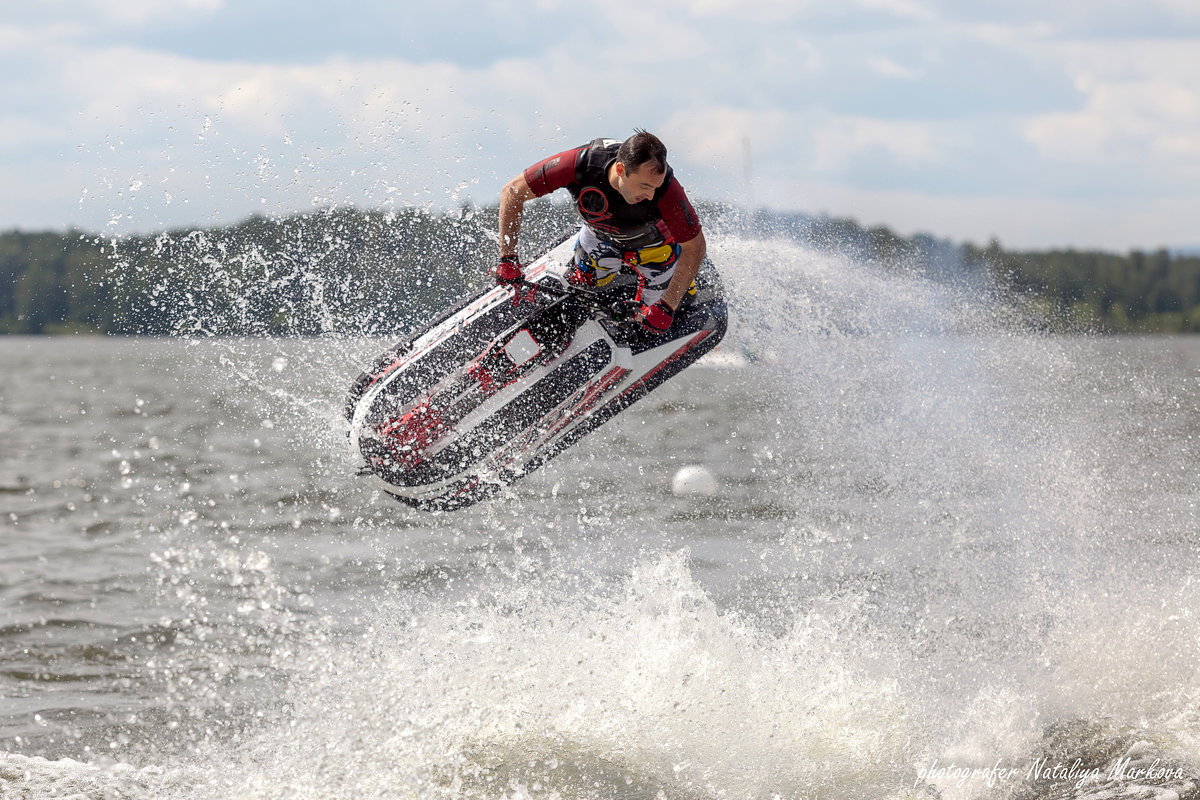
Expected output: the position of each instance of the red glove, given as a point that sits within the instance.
(656, 318)
(508, 271)
(581, 277)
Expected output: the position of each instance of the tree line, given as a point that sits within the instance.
(369, 272)
(1136, 292)
(332, 271)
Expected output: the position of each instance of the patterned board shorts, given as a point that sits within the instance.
(653, 266)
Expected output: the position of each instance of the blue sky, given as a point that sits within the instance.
(1049, 123)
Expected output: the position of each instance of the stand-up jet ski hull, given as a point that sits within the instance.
(509, 378)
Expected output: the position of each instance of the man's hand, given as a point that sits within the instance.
(508, 271)
(656, 318)
(581, 277)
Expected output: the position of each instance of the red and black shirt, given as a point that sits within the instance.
(668, 218)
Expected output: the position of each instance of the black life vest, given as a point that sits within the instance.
(605, 211)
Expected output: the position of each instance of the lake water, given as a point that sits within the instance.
(946, 557)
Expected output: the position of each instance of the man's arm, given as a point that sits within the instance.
(681, 220)
(513, 197)
(691, 253)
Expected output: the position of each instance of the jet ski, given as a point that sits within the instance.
(510, 377)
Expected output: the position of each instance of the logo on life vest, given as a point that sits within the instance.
(593, 207)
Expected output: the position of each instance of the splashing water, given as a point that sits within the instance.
(942, 544)
(648, 689)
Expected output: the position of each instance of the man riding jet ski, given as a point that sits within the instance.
(516, 373)
(635, 216)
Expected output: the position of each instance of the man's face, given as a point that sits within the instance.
(639, 185)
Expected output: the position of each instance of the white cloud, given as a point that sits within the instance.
(1186, 9)
(887, 68)
(139, 12)
(719, 135)
(927, 94)
(841, 140)
(1120, 120)
(757, 11)
(1142, 109)
(1043, 222)
(907, 9)
(22, 131)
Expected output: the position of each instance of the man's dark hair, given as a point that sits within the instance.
(643, 148)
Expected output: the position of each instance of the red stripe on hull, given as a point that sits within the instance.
(682, 351)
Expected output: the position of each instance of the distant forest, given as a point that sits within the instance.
(349, 271)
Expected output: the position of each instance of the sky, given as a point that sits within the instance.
(1047, 123)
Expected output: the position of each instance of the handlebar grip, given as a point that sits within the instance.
(550, 288)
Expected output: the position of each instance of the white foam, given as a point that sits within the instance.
(35, 778)
(650, 687)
